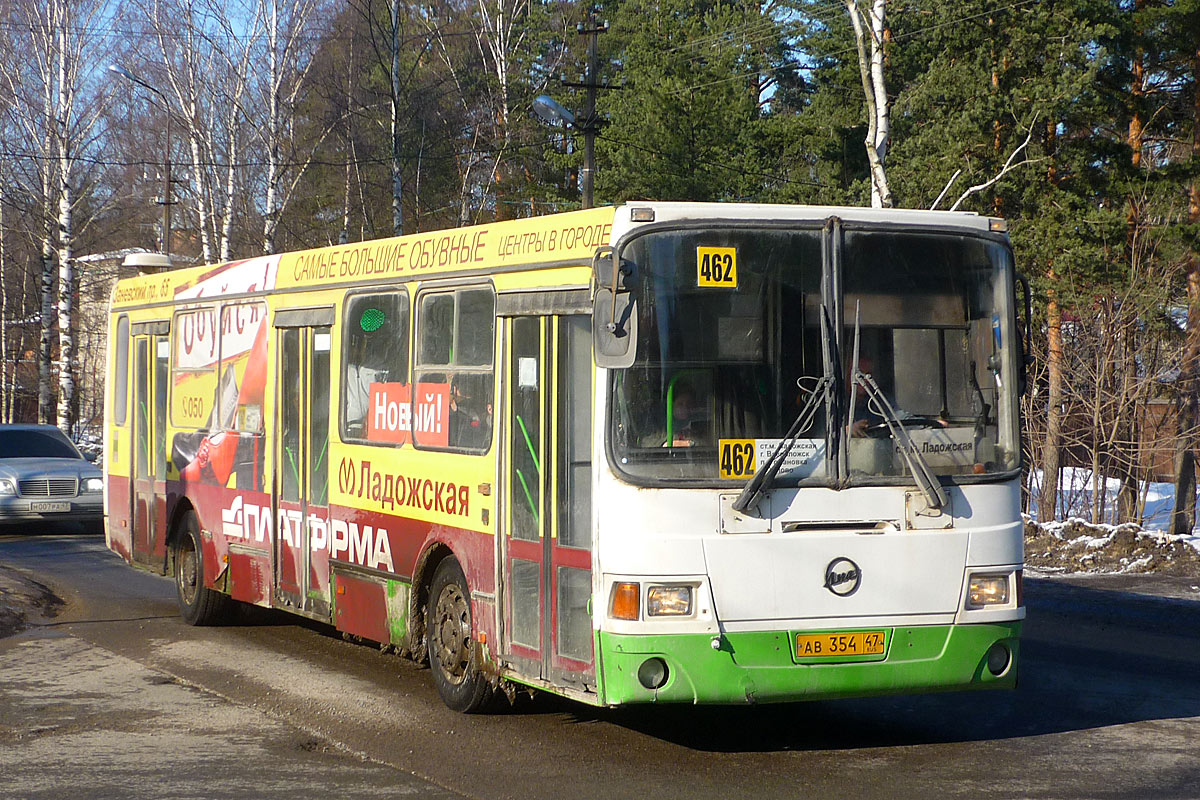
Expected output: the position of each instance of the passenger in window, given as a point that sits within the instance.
(689, 417)
(470, 415)
(359, 378)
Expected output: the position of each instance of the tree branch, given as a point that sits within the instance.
(1009, 166)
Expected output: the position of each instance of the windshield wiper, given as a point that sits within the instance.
(764, 478)
(917, 464)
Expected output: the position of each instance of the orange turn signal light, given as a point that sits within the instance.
(625, 602)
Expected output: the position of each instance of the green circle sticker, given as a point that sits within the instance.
(371, 320)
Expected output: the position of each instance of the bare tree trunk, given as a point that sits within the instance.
(66, 258)
(1183, 516)
(1126, 428)
(1052, 446)
(1097, 441)
(271, 220)
(6, 386)
(46, 347)
(397, 177)
(348, 134)
(870, 67)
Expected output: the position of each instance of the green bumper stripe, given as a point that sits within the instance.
(759, 667)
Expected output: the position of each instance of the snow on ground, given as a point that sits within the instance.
(1073, 544)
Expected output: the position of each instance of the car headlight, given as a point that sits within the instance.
(7, 487)
(987, 590)
(93, 485)
(669, 601)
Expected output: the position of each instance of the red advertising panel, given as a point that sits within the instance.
(394, 413)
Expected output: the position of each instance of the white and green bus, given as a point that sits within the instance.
(662, 452)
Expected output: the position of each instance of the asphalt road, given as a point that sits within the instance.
(117, 697)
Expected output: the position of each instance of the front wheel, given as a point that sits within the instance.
(198, 605)
(453, 659)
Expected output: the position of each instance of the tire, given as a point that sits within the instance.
(198, 605)
(449, 637)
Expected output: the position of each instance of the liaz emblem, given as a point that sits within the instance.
(842, 577)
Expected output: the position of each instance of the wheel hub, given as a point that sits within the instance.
(451, 633)
(188, 577)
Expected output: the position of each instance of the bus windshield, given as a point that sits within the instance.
(730, 351)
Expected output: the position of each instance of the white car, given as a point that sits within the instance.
(44, 478)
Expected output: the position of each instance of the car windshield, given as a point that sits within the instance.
(726, 362)
(26, 443)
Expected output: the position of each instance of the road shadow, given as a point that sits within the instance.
(1091, 658)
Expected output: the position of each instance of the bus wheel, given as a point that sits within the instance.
(198, 605)
(452, 656)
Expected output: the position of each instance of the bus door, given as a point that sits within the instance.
(151, 357)
(547, 537)
(301, 485)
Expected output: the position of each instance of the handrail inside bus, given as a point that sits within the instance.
(528, 497)
(537, 464)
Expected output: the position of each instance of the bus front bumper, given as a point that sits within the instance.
(760, 667)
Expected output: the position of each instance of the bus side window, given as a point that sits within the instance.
(121, 390)
(454, 365)
(374, 351)
(241, 388)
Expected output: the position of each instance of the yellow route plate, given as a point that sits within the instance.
(716, 267)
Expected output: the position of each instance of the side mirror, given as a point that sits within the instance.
(614, 311)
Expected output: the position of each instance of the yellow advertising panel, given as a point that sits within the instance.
(560, 238)
(570, 238)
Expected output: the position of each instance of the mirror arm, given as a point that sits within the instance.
(617, 272)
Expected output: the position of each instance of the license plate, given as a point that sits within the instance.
(50, 508)
(840, 645)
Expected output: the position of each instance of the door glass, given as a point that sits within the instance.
(162, 358)
(290, 426)
(575, 419)
(142, 409)
(525, 431)
(574, 634)
(318, 416)
(526, 608)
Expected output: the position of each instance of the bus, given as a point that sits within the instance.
(657, 452)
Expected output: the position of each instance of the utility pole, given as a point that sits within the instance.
(167, 200)
(589, 125)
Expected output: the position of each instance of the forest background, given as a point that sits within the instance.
(273, 125)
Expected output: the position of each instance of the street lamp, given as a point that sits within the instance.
(552, 113)
(167, 202)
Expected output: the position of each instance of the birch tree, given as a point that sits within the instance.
(49, 84)
(289, 42)
(869, 34)
(29, 72)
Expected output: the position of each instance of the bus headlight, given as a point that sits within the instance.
(669, 601)
(987, 590)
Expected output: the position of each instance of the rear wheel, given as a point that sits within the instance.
(453, 658)
(198, 605)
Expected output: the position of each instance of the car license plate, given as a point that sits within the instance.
(49, 508)
(839, 645)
